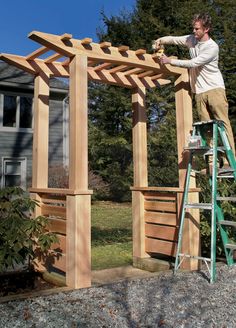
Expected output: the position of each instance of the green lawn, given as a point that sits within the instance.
(111, 235)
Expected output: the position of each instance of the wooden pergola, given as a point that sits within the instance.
(155, 210)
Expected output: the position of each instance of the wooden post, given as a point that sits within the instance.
(78, 241)
(78, 229)
(41, 131)
(140, 170)
(184, 119)
(78, 134)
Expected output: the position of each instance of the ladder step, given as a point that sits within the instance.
(228, 223)
(228, 199)
(226, 176)
(203, 206)
(208, 122)
(195, 257)
(231, 246)
(228, 171)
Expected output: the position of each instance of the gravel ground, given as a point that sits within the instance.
(183, 300)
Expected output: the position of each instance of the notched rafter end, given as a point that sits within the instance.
(123, 48)
(66, 36)
(86, 41)
(140, 52)
(105, 44)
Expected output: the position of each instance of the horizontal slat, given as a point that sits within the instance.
(160, 196)
(160, 246)
(160, 206)
(161, 232)
(173, 189)
(61, 245)
(58, 262)
(57, 225)
(161, 218)
(53, 210)
(54, 201)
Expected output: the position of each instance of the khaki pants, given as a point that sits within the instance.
(214, 105)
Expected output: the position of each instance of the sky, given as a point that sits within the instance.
(81, 18)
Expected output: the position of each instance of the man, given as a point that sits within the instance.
(205, 77)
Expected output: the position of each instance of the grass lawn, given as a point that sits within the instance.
(111, 235)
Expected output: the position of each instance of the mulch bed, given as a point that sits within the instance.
(14, 283)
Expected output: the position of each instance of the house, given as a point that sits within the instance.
(17, 124)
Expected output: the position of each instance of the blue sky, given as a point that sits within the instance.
(80, 18)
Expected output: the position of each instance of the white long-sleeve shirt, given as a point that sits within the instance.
(203, 65)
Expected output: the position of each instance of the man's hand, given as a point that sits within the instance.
(165, 60)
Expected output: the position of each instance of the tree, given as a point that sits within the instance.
(149, 20)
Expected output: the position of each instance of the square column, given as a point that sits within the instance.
(184, 120)
(140, 171)
(41, 131)
(78, 226)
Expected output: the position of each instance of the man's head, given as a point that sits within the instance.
(201, 26)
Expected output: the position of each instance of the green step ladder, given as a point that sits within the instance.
(198, 146)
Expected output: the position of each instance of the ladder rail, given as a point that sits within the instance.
(183, 212)
(217, 215)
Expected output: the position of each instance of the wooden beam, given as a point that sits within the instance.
(96, 53)
(78, 148)
(53, 42)
(66, 36)
(36, 66)
(133, 71)
(18, 61)
(52, 58)
(86, 41)
(118, 68)
(156, 76)
(184, 118)
(101, 66)
(41, 131)
(140, 52)
(139, 132)
(146, 73)
(105, 45)
(78, 241)
(37, 53)
(123, 48)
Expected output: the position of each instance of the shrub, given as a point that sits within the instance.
(58, 178)
(21, 237)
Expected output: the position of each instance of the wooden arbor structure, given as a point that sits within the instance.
(155, 210)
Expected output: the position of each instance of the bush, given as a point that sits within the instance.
(21, 237)
(58, 178)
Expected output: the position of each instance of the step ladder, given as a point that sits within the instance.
(198, 146)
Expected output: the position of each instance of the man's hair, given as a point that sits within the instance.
(205, 19)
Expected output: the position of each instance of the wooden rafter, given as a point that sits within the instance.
(37, 53)
(105, 53)
(105, 63)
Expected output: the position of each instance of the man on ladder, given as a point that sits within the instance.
(208, 86)
(205, 77)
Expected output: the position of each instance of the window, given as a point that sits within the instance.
(14, 172)
(16, 112)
